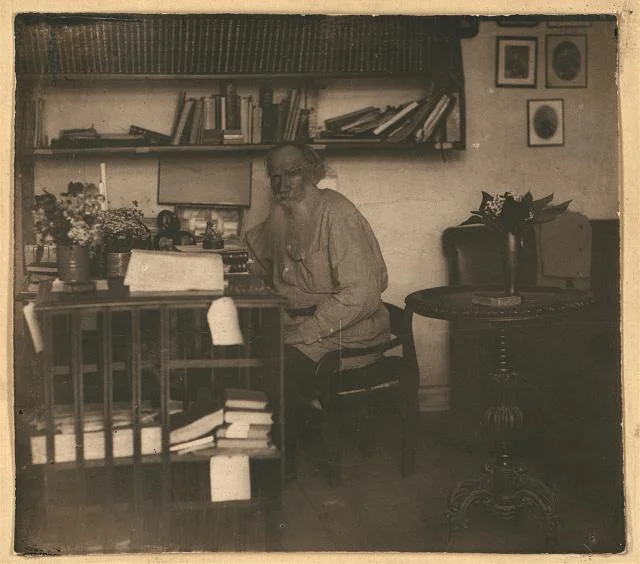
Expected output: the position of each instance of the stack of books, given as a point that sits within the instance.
(241, 424)
(87, 138)
(247, 421)
(415, 121)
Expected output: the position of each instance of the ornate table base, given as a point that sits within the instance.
(505, 489)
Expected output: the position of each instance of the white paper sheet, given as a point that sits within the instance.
(158, 271)
(223, 323)
(230, 478)
(34, 328)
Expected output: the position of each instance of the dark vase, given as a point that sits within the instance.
(117, 264)
(74, 263)
(511, 263)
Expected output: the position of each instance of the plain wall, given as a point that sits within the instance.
(409, 200)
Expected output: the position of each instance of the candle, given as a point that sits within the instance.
(102, 186)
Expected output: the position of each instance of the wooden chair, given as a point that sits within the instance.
(362, 387)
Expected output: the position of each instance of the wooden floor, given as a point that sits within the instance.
(376, 509)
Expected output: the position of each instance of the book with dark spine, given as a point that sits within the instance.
(269, 113)
(402, 112)
(128, 47)
(140, 48)
(185, 114)
(219, 45)
(257, 61)
(228, 44)
(196, 123)
(149, 62)
(363, 121)
(274, 45)
(453, 129)
(182, 96)
(154, 137)
(158, 30)
(294, 100)
(416, 120)
(171, 48)
(286, 55)
(344, 119)
(302, 133)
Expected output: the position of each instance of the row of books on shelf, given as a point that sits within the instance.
(416, 121)
(174, 44)
(242, 424)
(229, 118)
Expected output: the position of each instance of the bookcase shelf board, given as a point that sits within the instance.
(257, 148)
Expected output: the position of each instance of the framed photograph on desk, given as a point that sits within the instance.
(516, 59)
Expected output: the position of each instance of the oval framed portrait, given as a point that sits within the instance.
(566, 61)
(545, 122)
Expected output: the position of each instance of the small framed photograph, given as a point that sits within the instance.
(516, 61)
(545, 123)
(566, 61)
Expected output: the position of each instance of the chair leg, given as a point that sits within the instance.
(332, 445)
(366, 424)
(409, 415)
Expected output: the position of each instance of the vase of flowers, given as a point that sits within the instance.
(71, 220)
(121, 230)
(510, 213)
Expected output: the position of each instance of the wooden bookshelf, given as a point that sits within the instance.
(246, 148)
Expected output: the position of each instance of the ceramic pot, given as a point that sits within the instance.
(74, 263)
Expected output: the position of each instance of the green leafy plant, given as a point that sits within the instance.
(68, 219)
(509, 213)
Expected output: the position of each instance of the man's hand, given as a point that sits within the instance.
(290, 320)
(292, 335)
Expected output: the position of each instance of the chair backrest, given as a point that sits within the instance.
(474, 256)
(396, 318)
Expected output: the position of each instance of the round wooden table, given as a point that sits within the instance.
(504, 486)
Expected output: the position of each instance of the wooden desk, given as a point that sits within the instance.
(167, 336)
(504, 487)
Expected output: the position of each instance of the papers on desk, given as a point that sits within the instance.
(158, 271)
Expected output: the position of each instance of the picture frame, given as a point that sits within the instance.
(568, 21)
(517, 21)
(566, 61)
(545, 123)
(516, 61)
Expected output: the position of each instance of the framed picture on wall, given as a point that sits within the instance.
(545, 123)
(568, 21)
(566, 61)
(516, 61)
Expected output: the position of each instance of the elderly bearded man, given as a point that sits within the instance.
(319, 252)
